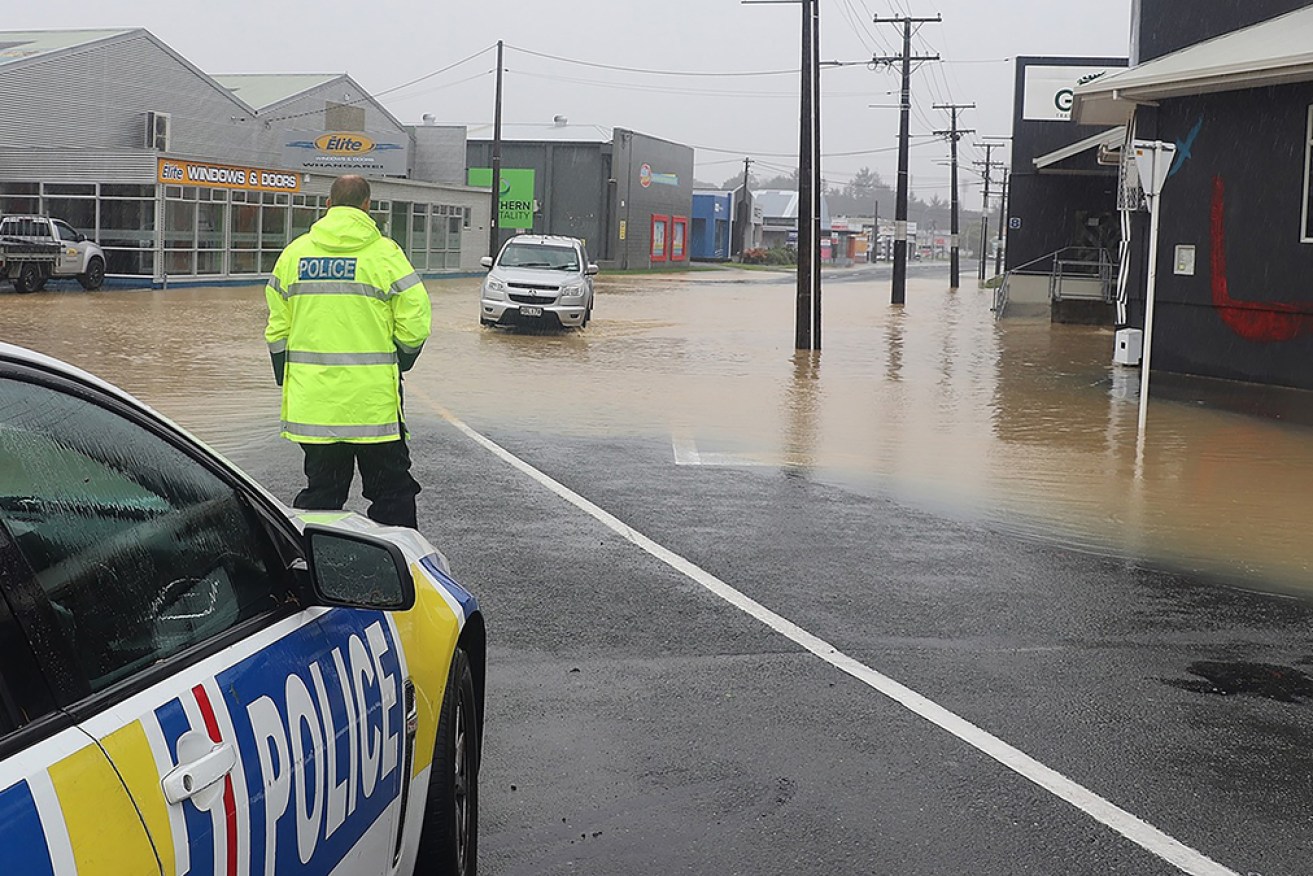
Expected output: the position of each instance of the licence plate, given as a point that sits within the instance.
(531, 311)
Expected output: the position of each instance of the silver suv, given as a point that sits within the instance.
(538, 279)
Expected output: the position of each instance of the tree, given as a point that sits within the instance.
(863, 185)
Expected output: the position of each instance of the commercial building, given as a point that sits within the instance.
(187, 177)
(713, 219)
(628, 195)
(1231, 86)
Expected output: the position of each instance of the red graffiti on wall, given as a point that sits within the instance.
(1251, 320)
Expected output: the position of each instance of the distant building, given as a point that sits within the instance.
(713, 214)
(779, 218)
(187, 177)
(1231, 86)
(628, 195)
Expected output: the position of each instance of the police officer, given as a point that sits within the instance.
(347, 315)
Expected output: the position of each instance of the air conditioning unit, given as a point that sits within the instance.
(157, 131)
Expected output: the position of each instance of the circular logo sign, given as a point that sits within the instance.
(505, 186)
(1064, 99)
(645, 175)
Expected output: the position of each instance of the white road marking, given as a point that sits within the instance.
(687, 453)
(1135, 829)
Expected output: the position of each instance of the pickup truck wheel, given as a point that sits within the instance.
(29, 278)
(94, 276)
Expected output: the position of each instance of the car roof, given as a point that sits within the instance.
(544, 239)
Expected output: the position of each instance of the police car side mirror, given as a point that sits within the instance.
(486, 261)
(357, 570)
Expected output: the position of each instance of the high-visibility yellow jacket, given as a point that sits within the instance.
(346, 311)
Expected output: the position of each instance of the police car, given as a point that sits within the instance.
(195, 679)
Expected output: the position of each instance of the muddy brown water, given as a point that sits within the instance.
(1021, 423)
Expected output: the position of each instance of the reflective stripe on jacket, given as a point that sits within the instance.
(343, 301)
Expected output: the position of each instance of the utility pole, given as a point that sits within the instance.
(988, 166)
(806, 140)
(745, 214)
(809, 176)
(494, 223)
(1002, 213)
(904, 109)
(954, 133)
(816, 186)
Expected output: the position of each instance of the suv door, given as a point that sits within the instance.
(253, 736)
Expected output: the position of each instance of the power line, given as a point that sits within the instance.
(647, 72)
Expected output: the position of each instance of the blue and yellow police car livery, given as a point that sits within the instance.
(247, 690)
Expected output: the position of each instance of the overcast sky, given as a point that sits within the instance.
(386, 44)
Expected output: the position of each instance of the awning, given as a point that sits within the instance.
(1109, 138)
(1271, 52)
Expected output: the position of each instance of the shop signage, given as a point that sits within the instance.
(173, 171)
(347, 151)
(646, 177)
(1050, 91)
(517, 205)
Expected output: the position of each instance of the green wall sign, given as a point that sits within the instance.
(516, 193)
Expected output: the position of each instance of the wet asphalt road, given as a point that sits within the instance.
(638, 724)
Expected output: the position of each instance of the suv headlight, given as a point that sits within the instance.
(493, 288)
(572, 290)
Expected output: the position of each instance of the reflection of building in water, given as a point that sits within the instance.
(179, 174)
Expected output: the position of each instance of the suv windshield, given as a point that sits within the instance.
(530, 255)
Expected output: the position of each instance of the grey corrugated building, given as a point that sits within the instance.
(628, 195)
(185, 176)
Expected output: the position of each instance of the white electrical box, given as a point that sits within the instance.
(1130, 346)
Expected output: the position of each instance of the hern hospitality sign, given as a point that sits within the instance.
(347, 152)
(517, 205)
(1050, 91)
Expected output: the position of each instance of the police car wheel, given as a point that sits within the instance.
(450, 839)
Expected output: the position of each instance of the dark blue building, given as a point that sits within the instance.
(712, 213)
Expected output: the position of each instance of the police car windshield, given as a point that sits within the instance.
(528, 255)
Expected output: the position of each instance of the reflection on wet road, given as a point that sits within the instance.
(1022, 423)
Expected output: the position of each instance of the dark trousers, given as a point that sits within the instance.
(384, 475)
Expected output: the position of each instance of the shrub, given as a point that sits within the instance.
(755, 256)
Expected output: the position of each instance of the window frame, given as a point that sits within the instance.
(1306, 232)
(58, 664)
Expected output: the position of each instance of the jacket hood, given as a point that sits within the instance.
(344, 229)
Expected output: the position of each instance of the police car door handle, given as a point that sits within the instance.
(201, 778)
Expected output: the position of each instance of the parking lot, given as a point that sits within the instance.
(710, 564)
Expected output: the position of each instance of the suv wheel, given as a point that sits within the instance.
(94, 276)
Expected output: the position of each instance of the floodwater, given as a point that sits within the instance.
(1023, 424)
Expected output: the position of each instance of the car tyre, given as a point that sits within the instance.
(94, 276)
(450, 837)
(29, 278)
(483, 321)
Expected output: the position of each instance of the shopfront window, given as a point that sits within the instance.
(273, 229)
(419, 236)
(17, 197)
(179, 234)
(127, 229)
(453, 242)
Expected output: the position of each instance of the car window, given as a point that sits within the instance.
(531, 255)
(65, 232)
(140, 550)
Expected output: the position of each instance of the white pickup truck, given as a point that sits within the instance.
(75, 256)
